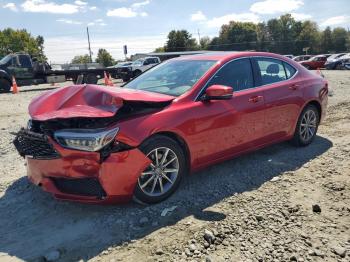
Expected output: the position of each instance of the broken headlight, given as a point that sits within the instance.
(85, 139)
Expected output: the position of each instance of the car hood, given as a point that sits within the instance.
(88, 101)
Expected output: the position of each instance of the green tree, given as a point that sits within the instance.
(180, 40)
(238, 36)
(283, 32)
(205, 42)
(21, 41)
(159, 50)
(326, 40)
(104, 58)
(81, 59)
(309, 36)
(339, 37)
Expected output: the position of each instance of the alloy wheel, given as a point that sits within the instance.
(159, 177)
(308, 125)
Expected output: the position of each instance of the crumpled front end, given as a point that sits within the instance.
(90, 177)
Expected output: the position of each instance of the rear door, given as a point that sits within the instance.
(282, 91)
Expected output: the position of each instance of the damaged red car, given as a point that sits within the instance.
(98, 144)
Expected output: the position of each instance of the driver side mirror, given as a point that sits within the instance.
(217, 92)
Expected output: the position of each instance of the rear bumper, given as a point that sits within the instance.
(116, 176)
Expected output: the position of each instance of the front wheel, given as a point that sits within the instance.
(307, 125)
(162, 177)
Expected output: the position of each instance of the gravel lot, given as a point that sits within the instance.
(278, 204)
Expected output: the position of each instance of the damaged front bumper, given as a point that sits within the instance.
(90, 177)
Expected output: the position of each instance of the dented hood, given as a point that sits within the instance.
(88, 101)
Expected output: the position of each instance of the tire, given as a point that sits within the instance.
(338, 67)
(126, 79)
(148, 188)
(136, 73)
(5, 85)
(90, 79)
(302, 134)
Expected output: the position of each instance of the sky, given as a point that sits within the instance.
(143, 25)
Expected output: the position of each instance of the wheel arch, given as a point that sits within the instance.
(178, 139)
(315, 103)
(5, 75)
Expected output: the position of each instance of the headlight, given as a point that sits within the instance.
(85, 139)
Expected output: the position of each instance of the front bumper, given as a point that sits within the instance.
(84, 177)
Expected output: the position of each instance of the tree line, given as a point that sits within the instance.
(21, 41)
(282, 35)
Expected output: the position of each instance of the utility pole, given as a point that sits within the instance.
(199, 38)
(87, 31)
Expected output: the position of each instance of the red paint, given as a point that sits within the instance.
(213, 130)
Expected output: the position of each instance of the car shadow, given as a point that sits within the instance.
(33, 224)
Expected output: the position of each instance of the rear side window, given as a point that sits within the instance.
(271, 70)
(236, 74)
(290, 71)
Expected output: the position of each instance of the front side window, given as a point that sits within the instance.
(172, 77)
(236, 74)
(24, 61)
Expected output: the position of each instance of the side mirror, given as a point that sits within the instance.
(217, 92)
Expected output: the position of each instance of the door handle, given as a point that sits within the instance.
(255, 99)
(294, 87)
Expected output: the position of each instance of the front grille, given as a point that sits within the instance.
(35, 145)
(82, 187)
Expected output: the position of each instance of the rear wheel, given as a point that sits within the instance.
(307, 125)
(338, 67)
(5, 86)
(162, 177)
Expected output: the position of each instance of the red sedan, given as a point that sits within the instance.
(99, 144)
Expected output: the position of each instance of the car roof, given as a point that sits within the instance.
(228, 55)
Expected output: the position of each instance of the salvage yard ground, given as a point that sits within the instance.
(278, 204)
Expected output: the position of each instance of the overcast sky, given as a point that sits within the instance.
(144, 24)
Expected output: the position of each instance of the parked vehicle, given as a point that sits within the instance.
(101, 145)
(300, 58)
(141, 65)
(335, 62)
(315, 62)
(121, 67)
(29, 72)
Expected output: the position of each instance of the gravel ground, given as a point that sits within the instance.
(278, 204)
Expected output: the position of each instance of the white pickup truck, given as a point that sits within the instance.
(141, 65)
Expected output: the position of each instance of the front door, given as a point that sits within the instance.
(227, 127)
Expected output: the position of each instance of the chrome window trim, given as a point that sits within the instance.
(294, 75)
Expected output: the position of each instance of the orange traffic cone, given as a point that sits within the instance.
(14, 86)
(106, 79)
(110, 82)
(319, 72)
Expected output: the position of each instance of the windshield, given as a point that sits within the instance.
(173, 77)
(335, 56)
(138, 62)
(5, 59)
